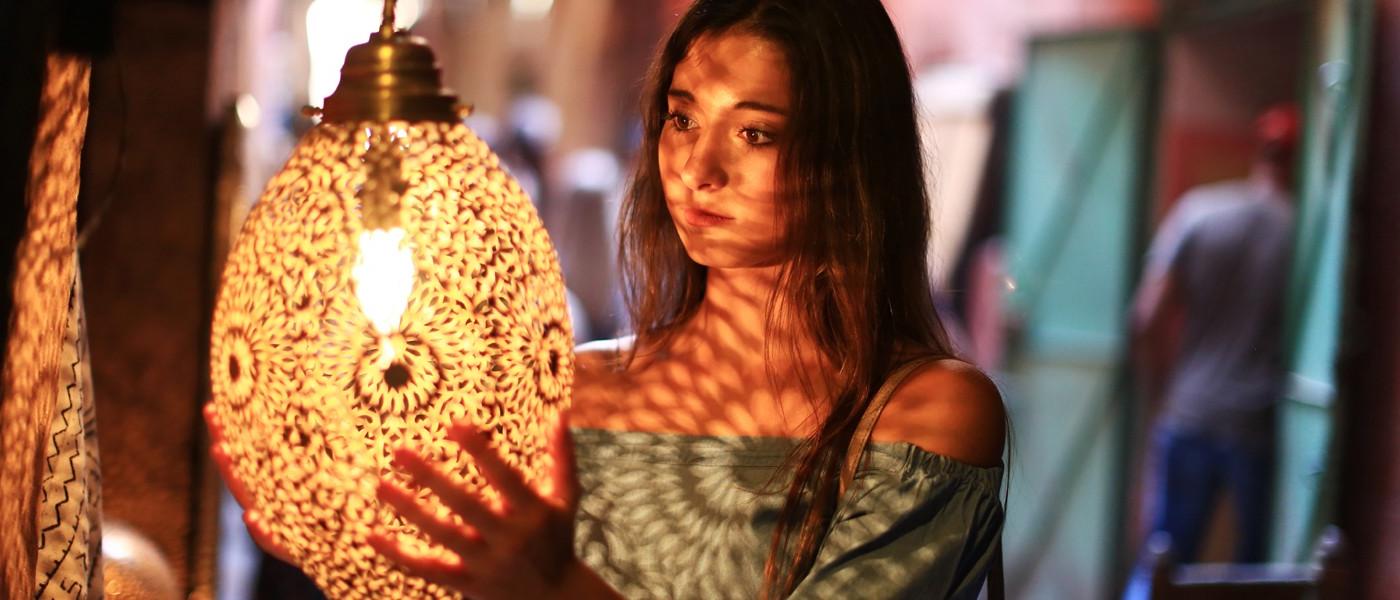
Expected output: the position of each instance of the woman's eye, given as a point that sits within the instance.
(756, 137)
(680, 121)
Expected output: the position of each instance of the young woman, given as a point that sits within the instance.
(773, 248)
(788, 420)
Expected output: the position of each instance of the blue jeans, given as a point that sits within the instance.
(1194, 468)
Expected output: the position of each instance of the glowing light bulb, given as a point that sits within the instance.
(383, 276)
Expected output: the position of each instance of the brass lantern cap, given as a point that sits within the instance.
(392, 77)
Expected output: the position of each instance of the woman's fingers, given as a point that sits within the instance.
(235, 485)
(442, 531)
(442, 572)
(501, 476)
(258, 530)
(211, 421)
(564, 479)
(223, 461)
(520, 551)
(455, 496)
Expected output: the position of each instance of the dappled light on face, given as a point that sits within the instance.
(718, 153)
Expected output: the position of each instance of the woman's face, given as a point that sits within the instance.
(726, 110)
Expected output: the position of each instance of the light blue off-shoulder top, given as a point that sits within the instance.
(667, 515)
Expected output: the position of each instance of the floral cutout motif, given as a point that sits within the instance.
(312, 409)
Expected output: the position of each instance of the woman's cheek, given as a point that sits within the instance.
(668, 163)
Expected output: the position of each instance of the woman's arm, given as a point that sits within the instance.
(529, 550)
(950, 408)
(928, 525)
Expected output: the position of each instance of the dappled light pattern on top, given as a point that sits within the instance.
(667, 515)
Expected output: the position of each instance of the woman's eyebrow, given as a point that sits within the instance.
(759, 106)
(685, 96)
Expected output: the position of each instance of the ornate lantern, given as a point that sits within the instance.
(393, 278)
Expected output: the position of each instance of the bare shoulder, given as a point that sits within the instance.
(947, 407)
(599, 381)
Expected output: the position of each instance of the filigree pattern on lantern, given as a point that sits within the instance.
(313, 399)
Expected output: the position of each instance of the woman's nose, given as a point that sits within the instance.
(704, 168)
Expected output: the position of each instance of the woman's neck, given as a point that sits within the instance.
(733, 323)
(729, 369)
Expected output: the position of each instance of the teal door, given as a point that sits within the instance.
(1077, 187)
(1334, 101)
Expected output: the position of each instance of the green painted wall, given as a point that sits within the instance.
(1335, 113)
(1079, 155)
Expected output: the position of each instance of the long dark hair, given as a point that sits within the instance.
(852, 178)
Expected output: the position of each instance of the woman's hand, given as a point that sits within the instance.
(522, 548)
(251, 518)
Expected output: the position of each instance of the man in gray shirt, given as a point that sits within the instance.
(1221, 258)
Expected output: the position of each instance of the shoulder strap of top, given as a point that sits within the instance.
(996, 583)
(861, 438)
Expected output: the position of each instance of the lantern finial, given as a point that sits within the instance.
(392, 77)
(386, 27)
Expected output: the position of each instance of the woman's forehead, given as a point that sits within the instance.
(730, 68)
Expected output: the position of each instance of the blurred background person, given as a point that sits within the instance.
(1220, 261)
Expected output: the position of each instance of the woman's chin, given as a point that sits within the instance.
(715, 250)
(719, 259)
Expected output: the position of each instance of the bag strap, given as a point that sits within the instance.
(996, 578)
(861, 438)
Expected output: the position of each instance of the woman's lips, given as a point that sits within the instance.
(700, 218)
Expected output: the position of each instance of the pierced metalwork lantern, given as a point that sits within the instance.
(392, 278)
